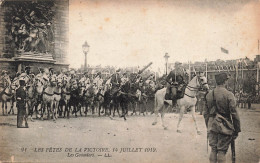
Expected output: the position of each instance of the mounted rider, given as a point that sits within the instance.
(85, 81)
(116, 81)
(175, 86)
(98, 81)
(26, 75)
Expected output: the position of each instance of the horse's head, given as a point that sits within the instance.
(82, 91)
(74, 84)
(59, 81)
(203, 84)
(52, 80)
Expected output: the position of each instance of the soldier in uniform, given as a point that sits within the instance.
(174, 81)
(221, 102)
(21, 104)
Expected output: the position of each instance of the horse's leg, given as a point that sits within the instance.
(6, 107)
(12, 105)
(123, 110)
(182, 109)
(3, 104)
(30, 109)
(75, 109)
(80, 107)
(99, 108)
(52, 110)
(117, 108)
(42, 110)
(36, 108)
(194, 119)
(162, 115)
(156, 116)
(48, 110)
(55, 109)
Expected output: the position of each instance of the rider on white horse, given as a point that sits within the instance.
(175, 84)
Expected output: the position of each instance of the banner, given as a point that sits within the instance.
(224, 50)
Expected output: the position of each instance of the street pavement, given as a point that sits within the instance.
(116, 140)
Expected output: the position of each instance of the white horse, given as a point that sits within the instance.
(57, 94)
(6, 94)
(188, 101)
(48, 98)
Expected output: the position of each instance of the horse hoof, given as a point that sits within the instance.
(154, 123)
(32, 120)
(165, 128)
(199, 132)
(42, 118)
(179, 131)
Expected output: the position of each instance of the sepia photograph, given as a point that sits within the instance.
(135, 81)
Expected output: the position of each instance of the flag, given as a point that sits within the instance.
(245, 62)
(224, 50)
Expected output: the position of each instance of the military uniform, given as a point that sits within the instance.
(175, 82)
(21, 105)
(225, 105)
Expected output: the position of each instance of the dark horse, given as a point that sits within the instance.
(120, 98)
(86, 99)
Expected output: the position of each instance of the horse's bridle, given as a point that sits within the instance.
(197, 88)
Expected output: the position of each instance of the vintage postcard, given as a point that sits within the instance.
(129, 81)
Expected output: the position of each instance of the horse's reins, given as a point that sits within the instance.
(195, 88)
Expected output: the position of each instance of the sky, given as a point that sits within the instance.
(133, 33)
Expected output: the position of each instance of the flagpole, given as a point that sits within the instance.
(189, 71)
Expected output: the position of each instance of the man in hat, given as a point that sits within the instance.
(21, 104)
(174, 81)
(221, 102)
